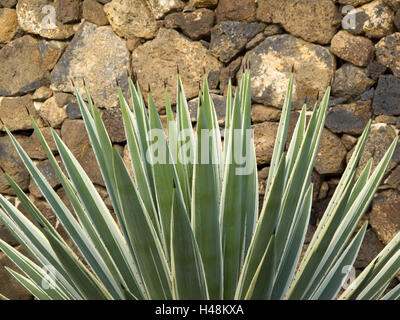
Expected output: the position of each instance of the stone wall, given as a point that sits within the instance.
(44, 44)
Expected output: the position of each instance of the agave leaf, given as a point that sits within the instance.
(292, 254)
(332, 283)
(62, 212)
(281, 135)
(35, 273)
(87, 285)
(346, 179)
(265, 228)
(296, 142)
(163, 173)
(373, 270)
(249, 176)
(107, 271)
(347, 225)
(393, 294)
(30, 237)
(141, 125)
(29, 285)
(262, 284)
(140, 166)
(185, 140)
(205, 203)
(151, 259)
(291, 201)
(98, 214)
(3, 298)
(189, 279)
(230, 210)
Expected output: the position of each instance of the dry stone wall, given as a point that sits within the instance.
(352, 43)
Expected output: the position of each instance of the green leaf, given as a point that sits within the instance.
(261, 286)
(332, 283)
(205, 206)
(187, 268)
(29, 285)
(143, 238)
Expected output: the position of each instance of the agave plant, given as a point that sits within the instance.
(183, 229)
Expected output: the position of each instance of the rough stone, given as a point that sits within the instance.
(393, 180)
(9, 286)
(370, 248)
(195, 25)
(68, 11)
(349, 118)
(239, 10)
(219, 104)
(40, 17)
(350, 82)
(355, 49)
(385, 215)
(132, 44)
(100, 57)
(331, 154)
(14, 113)
(397, 20)
(128, 162)
(42, 94)
(374, 19)
(13, 165)
(260, 113)
(323, 190)
(229, 38)
(63, 98)
(386, 119)
(228, 72)
(213, 79)
(161, 7)
(264, 140)
(271, 63)
(93, 12)
(354, 3)
(50, 52)
(255, 41)
(131, 18)
(8, 3)
(34, 148)
(312, 20)
(374, 70)
(114, 124)
(203, 3)
(388, 52)
(51, 112)
(348, 141)
(8, 24)
(394, 4)
(73, 133)
(47, 170)
(73, 111)
(273, 29)
(191, 57)
(22, 67)
(262, 180)
(387, 96)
